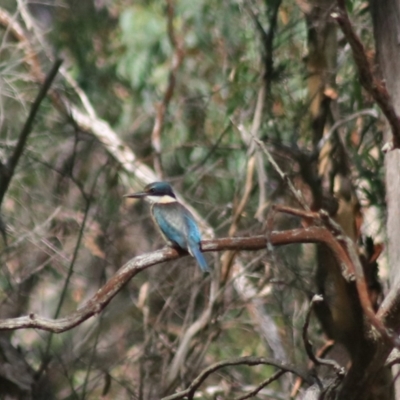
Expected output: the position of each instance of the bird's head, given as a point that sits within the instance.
(156, 192)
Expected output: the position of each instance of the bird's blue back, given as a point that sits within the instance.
(179, 227)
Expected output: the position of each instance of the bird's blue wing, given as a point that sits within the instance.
(194, 239)
(170, 220)
(178, 226)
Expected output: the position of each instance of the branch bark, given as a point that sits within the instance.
(106, 293)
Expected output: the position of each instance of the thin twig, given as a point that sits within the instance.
(320, 353)
(210, 152)
(262, 385)
(255, 129)
(370, 112)
(256, 157)
(296, 193)
(308, 346)
(296, 212)
(7, 171)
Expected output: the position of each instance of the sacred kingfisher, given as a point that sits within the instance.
(176, 224)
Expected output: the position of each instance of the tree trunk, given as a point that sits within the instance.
(386, 20)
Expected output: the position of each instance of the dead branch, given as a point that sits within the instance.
(251, 361)
(15, 30)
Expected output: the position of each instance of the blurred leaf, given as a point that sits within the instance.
(144, 36)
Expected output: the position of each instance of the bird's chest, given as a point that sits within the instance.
(168, 216)
(170, 222)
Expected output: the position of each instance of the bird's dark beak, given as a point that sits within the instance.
(138, 195)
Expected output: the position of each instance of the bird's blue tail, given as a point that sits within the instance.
(198, 255)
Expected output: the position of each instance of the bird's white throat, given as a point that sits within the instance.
(160, 199)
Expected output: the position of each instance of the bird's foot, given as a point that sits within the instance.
(177, 248)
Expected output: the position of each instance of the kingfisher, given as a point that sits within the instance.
(174, 221)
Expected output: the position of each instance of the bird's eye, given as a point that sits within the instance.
(152, 190)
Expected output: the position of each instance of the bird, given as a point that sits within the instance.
(174, 221)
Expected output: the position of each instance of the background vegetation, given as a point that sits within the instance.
(179, 90)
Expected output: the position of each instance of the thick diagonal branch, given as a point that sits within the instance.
(369, 79)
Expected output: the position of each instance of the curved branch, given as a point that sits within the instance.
(251, 361)
(106, 293)
(346, 253)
